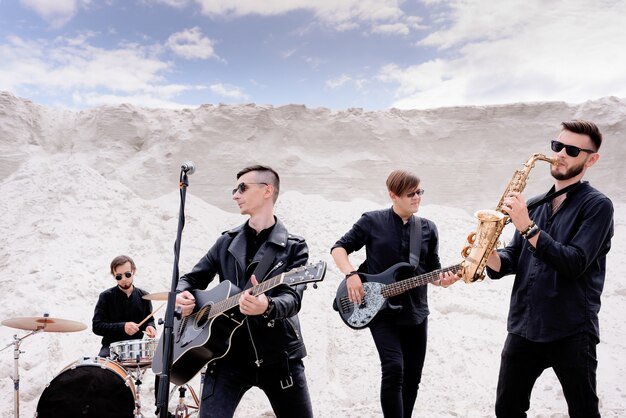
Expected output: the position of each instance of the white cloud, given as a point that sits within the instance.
(288, 53)
(72, 66)
(344, 80)
(526, 51)
(342, 15)
(173, 3)
(313, 62)
(228, 91)
(57, 12)
(391, 29)
(191, 44)
(338, 82)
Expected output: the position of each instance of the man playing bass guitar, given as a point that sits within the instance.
(399, 335)
(266, 351)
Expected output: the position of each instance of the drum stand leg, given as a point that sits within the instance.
(137, 374)
(16, 370)
(16, 376)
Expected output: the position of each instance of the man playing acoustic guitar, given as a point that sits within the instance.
(266, 351)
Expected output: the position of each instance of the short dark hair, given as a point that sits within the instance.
(266, 175)
(584, 127)
(122, 259)
(401, 181)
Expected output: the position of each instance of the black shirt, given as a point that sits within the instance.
(114, 309)
(558, 284)
(253, 243)
(386, 240)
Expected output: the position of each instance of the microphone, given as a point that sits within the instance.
(188, 167)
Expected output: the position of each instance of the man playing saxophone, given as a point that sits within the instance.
(558, 256)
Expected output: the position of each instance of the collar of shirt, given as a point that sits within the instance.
(254, 240)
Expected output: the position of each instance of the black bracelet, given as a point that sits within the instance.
(352, 273)
(527, 230)
(270, 307)
(532, 232)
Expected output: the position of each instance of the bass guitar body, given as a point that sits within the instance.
(359, 316)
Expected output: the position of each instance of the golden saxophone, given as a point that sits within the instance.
(490, 225)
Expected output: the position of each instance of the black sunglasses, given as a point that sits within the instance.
(128, 275)
(571, 150)
(418, 192)
(242, 187)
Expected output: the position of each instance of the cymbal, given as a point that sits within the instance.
(44, 323)
(156, 296)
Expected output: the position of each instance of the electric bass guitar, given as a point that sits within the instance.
(206, 334)
(378, 289)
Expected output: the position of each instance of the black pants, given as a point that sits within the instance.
(402, 349)
(286, 389)
(105, 351)
(573, 360)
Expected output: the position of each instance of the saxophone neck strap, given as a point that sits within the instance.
(552, 195)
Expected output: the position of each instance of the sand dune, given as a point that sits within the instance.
(79, 188)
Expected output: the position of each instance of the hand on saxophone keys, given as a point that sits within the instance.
(515, 207)
(493, 261)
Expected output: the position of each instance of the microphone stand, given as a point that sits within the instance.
(168, 334)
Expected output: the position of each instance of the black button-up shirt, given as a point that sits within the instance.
(386, 240)
(557, 285)
(114, 309)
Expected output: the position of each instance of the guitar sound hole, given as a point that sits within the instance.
(202, 316)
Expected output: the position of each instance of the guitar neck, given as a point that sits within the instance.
(229, 303)
(301, 275)
(395, 289)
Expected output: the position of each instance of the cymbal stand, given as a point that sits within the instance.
(16, 369)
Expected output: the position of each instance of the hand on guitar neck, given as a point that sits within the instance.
(356, 292)
(250, 304)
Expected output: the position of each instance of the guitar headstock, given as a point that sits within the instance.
(310, 273)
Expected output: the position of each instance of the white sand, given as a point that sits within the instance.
(79, 188)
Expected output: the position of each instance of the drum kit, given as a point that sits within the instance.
(93, 386)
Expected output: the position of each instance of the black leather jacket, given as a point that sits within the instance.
(278, 336)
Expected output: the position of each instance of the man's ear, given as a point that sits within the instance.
(592, 160)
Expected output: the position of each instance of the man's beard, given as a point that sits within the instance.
(570, 173)
(125, 287)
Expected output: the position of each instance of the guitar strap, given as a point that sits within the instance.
(415, 241)
(262, 268)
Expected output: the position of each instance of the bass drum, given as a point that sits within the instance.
(93, 387)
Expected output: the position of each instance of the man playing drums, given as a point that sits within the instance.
(121, 309)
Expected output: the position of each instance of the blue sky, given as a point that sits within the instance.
(373, 54)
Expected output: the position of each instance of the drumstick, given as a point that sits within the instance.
(151, 313)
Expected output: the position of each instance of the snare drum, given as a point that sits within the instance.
(91, 387)
(134, 352)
